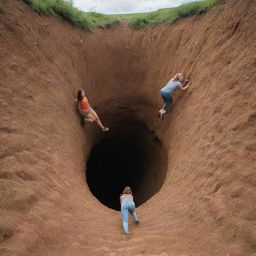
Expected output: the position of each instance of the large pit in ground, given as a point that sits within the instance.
(129, 155)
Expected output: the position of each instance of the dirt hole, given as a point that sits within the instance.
(128, 155)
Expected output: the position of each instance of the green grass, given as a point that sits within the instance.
(168, 15)
(194, 8)
(66, 10)
(102, 20)
(87, 20)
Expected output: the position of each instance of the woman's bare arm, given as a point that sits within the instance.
(185, 85)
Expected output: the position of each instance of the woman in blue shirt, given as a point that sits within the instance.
(166, 91)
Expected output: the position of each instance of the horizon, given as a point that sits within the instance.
(115, 7)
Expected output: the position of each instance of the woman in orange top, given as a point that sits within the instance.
(86, 111)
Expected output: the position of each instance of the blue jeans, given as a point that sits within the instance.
(128, 206)
(167, 99)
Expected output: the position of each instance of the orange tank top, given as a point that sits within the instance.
(85, 104)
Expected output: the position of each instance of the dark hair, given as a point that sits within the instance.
(127, 190)
(79, 94)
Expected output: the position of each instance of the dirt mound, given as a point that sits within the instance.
(197, 196)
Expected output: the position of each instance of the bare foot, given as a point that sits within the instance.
(161, 114)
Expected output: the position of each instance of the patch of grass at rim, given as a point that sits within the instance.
(87, 20)
(62, 8)
(170, 15)
(194, 8)
(66, 10)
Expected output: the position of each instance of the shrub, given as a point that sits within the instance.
(139, 23)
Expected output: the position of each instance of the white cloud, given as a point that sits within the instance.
(126, 6)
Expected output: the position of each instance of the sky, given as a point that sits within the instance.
(125, 6)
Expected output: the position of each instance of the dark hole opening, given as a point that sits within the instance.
(129, 156)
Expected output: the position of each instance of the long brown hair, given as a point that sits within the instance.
(127, 190)
(79, 95)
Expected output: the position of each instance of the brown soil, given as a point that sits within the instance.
(197, 197)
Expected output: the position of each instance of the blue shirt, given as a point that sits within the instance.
(171, 86)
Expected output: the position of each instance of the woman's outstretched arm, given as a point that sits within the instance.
(185, 85)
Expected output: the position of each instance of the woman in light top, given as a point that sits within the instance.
(166, 92)
(127, 205)
(86, 111)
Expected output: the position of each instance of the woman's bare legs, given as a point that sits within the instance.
(97, 119)
(88, 119)
(93, 117)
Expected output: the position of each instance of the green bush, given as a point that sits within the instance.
(139, 23)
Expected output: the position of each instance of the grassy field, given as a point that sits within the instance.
(87, 20)
(167, 15)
